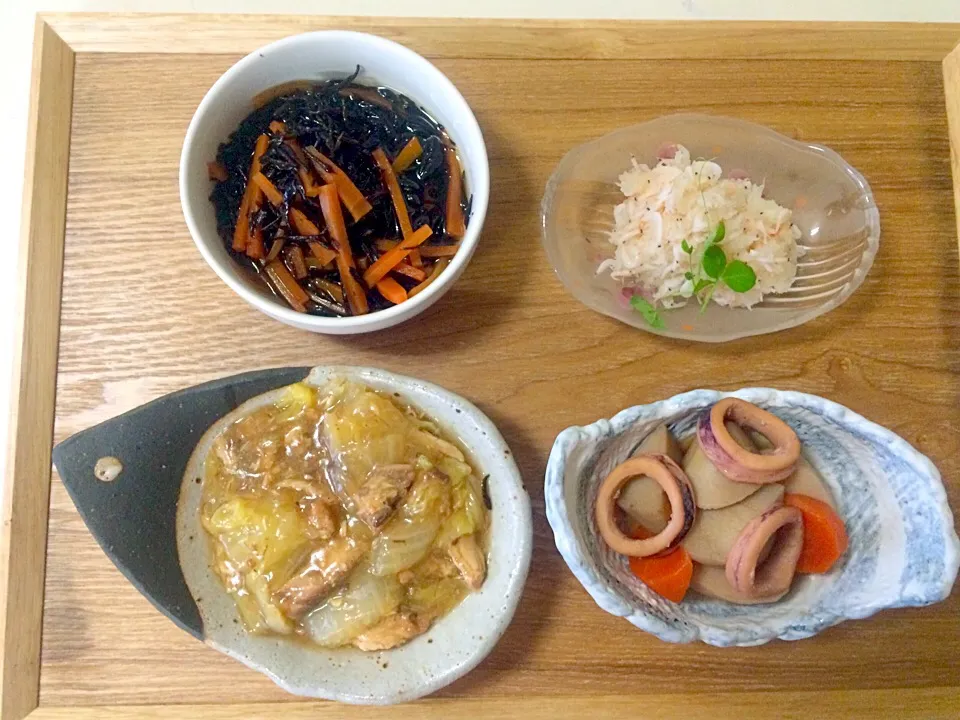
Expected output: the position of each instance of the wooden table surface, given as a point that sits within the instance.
(142, 315)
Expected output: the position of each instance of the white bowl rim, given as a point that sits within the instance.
(479, 187)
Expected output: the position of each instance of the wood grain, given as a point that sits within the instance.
(515, 39)
(142, 315)
(907, 704)
(951, 86)
(27, 485)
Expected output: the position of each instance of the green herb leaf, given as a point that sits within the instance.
(739, 276)
(688, 275)
(704, 301)
(649, 312)
(685, 246)
(719, 232)
(714, 261)
(701, 285)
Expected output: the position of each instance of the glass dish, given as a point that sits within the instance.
(832, 205)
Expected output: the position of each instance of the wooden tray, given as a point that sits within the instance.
(138, 314)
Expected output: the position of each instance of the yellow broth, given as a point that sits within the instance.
(343, 516)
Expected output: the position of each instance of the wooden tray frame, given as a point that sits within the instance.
(60, 38)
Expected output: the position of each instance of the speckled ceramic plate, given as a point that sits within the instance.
(903, 547)
(147, 521)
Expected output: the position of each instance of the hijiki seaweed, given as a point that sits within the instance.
(302, 161)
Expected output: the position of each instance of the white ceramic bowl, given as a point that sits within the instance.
(320, 56)
(903, 549)
(453, 646)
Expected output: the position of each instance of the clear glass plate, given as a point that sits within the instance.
(832, 205)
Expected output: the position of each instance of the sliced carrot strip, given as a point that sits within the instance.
(392, 290)
(330, 205)
(268, 189)
(406, 157)
(277, 127)
(351, 196)
(405, 268)
(322, 253)
(301, 223)
(393, 187)
(438, 267)
(255, 249)
(251, 194)
(390, 259)
(384, 245)
(667, 575)
(289, 288)
(416, 259)
(296, 262)
(455, 225)
(439, 251)
(825, 538)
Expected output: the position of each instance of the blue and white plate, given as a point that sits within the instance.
(903, 549)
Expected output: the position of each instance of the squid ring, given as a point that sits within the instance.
(738, 463)
(675, 483)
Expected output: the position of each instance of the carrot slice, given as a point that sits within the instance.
(456, 226)
(667, 575)
(439, 251)
(301, 223)
(824, 536)
(277, 127)
(405, 158)
(405, 268)
(295, 295)
(392, 290)
(351, 196)
(268, 189)
(322, 253)
(251, 195)
(295, 262)
(438, 267)
(255, 249)
(390, 259)
(390, 180)
(330, 205)
(216, 171)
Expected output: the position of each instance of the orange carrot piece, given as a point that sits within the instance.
(296, 262)
(322, 253)
(416, 259)
(667, 575)
(287, 286)
(405, 158)
(439, 251)
(251, 195)
(301, 223)
(390, 259)
(384, 245)
(390, 181)
(438, 267)
(351, 196)
(405, 268)
(824, 536)
(277, 127)
(255, 249)
(268, 189)
(455, 225)
(392, 290)
(330, 206)
(216, 171)
(310, 188)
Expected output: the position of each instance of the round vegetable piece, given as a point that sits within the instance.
(738, 463)
(757, 570)
(675, 484)
(824, 536)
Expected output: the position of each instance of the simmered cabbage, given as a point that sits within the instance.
(361, 604)
(408, 537)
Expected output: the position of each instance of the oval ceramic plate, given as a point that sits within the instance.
(147, 521)
(832, 205)
(903, 547)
